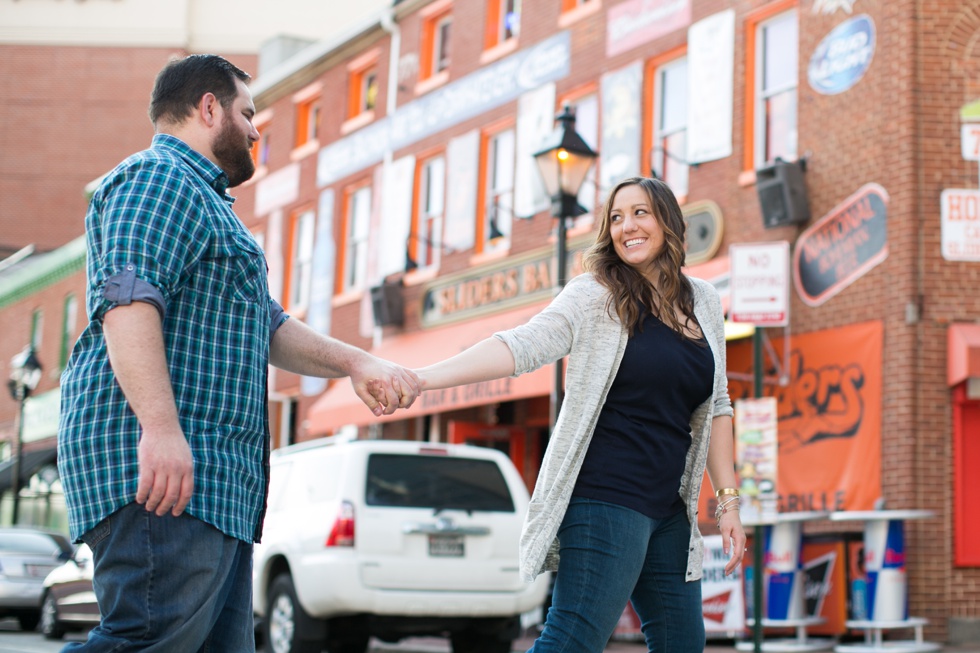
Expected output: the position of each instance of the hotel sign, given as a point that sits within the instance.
(509, 284)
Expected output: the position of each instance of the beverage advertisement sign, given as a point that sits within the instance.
(756, 456)
(721, 596)
(843, 56)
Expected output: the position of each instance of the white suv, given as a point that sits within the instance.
(392, 539)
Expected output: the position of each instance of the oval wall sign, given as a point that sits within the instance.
(842, 246)
(843, 56)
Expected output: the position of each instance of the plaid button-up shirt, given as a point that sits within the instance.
(161, 229)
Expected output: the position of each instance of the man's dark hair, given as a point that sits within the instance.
(182, 82)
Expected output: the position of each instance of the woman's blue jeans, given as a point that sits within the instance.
(168, 585)
(611, 555)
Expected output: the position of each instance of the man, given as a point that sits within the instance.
(163, 445)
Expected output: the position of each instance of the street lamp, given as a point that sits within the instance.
(563, 161)
(25, 374)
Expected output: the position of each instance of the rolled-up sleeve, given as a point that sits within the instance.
(277, 317)
(152, 231)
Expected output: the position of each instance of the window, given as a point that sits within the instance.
(37, 329)
(586, 110)
(301, 230)
(307, 121)
(260, 149)
(436, 40)
(773, 49)
(439, 482)
(430, 206)
(574, 10)
(67, 329)
(497, 191)
(357, 220)
(569, 5)
(363, 91)
(503, 21)
(668, 156)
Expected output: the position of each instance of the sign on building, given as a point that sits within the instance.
(960, 217)
(760, 283)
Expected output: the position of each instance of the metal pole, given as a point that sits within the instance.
(15, 467)
(559, 393)
(757, 553)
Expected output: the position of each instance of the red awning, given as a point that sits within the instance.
(962, 353)
(339, 406)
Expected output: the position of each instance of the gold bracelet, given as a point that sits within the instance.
(727, 491)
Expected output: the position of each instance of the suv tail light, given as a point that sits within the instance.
(342, 532)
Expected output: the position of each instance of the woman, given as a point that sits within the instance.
(616, 498)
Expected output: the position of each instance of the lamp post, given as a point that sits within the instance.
(563, 161)
(25, 374)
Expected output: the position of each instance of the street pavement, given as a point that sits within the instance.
(14, 641)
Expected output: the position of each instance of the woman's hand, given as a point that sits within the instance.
(732, 538)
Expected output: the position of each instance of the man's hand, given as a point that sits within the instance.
(383, 386)
(166, 476)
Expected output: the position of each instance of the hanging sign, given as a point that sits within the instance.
(843, 56)
(756, 458)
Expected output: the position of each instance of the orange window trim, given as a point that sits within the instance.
(751, 50)
(430, 23)
(493, 24)
(481, 188)
(288, 280)
(568, 5)
(303, 112)
(650, 97)
(413, 241)
(356, 71)
(339, 276)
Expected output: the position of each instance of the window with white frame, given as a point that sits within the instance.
(431, 207)
(499, 207)
(669, 152)
(301, 259)
(587, 125)
(358, 221)
(776, 63)
(37, 328)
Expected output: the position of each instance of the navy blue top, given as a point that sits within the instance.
(637, 454)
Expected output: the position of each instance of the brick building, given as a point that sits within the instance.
(401, 210)
(76, 79)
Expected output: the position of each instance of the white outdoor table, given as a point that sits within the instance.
(886, 601)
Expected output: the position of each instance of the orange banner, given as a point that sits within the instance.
(829, 417)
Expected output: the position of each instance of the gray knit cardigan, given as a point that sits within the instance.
(577, 324)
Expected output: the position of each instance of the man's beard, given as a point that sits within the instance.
(234, 154)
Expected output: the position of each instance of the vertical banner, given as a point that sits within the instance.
(619, 154)
(535, 119)
(321, 287)
(721, 595)
(829, 415)
(826, 585)
(756, 458)
(462, 178)
(396, 216)
(711, 70)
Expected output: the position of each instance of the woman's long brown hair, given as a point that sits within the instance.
(630, 293)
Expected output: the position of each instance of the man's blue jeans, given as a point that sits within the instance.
(611, 555)
(168, 584)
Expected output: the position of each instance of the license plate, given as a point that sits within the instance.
(446, 546)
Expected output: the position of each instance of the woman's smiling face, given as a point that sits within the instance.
(635, 230)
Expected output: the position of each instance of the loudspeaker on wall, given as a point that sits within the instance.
(782, 193)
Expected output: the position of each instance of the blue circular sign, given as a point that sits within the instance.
(843, 56)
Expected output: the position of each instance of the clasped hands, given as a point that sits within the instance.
(384, 386)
